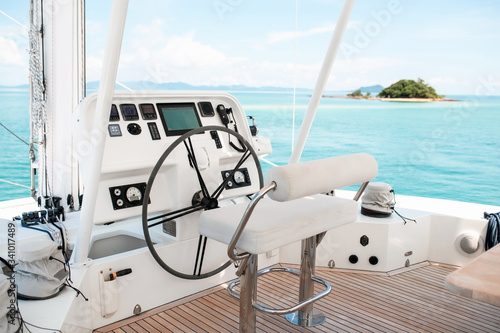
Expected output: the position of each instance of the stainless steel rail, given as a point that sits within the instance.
(285, 310)
(231, 249)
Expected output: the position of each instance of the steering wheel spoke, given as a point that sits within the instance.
(174, 215)
(194, 163)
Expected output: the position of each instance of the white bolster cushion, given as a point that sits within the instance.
(320, 176)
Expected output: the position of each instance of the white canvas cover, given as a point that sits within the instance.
(378, 197)
(40, 272)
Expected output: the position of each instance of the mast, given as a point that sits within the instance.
(324, 74)
(62, 49)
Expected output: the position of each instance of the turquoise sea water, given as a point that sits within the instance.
(447, 150)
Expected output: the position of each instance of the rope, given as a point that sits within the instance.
(13, 19)
(38, 113)
(14, 134)
(268, 162)
(9, 182)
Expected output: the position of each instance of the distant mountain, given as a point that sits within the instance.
(148, 85)
(372, 89)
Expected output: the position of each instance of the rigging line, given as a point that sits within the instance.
(294, 71)
(14, 20)
(268, 162)
(12, 183)
(116, 81)
(14, 134)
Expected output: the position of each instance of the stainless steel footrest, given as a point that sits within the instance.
(287, 310)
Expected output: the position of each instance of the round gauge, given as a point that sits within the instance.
(239, 177)
(134, 195)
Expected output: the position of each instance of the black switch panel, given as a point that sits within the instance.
(216, 138)
(153, 129)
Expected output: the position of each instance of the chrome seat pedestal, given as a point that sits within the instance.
(295, 211)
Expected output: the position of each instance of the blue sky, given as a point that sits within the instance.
(453, 45)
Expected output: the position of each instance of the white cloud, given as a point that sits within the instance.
(275, 37)
(162, 58)
(11, 54)
(182, 58)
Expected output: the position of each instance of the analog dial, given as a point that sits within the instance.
(134, 195)
(239, 177)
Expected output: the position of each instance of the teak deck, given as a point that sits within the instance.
(413, 300)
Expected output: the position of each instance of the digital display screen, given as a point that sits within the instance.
(113, 115)
(148, 111)
(129, 112)
(179, 118)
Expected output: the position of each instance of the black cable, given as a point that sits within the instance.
(233, 121)
(405, 219)
(9, 266)
(78, 292)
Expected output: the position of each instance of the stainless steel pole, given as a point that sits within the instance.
(324, 74)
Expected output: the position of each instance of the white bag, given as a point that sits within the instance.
(41, 272)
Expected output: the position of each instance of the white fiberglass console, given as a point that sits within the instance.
(142, 126)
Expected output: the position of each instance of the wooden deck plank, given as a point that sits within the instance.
(175, 321)
(398, 309)
(436, 300)
(128, 329)
(353, 314)
(412, 300)
(159, 323)
(402, 308)
(151, 326)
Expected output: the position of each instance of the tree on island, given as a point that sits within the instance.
(409, 89)
(359, 94)
(356, 93)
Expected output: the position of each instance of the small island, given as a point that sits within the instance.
(402, 91)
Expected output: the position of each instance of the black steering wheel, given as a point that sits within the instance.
(202, 199)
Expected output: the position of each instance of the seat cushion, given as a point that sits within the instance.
(274, 224)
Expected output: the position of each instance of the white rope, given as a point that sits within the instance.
(38, 112)
(8, 182)
(268, 162)
(116, 81)
(13, 20)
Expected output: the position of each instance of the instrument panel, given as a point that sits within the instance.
(142, 125)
